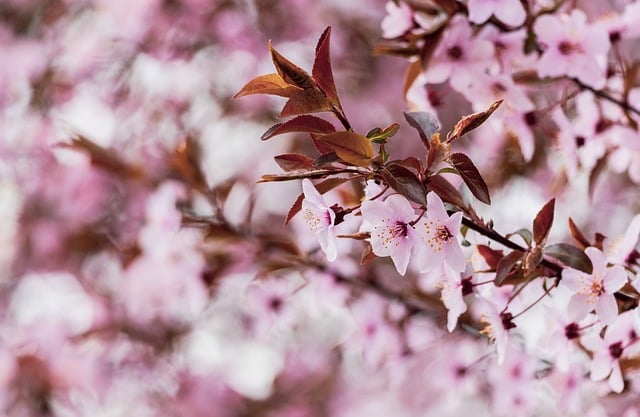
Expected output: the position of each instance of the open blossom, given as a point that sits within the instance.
(438, 232)
(392, 231)
(572, 48)
(398, 21)
(453, 289)
(320, 218)
(507, 11)
(594, 290)
(607, 352)
(623, 249)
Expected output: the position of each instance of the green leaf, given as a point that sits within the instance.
(471, 176)
(570, 256)
(351, 147)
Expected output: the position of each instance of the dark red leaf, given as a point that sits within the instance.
(405, 182)
(327, 159)
(581, 241)
(290, 72)
(543, 222)
(272, 84)
(447, 192)
(304, 123)
(306, 101)
(472, 121)
(296, 175)
(471, 176)
(415, 69)
(491, 256)
(294, 161)
(321, 147)
(322, 73)
(505, 267)
(295, 209)
(570, 256)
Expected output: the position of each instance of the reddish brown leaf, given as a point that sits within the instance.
(322, 188)
(505, 267)
(351, 147)
(290, 72)
(472, 121)
(447, 192)
(327, 159)
(321, 147)
(471, 176)
(491, 256)
(412, 162)
(296, 175)
(405, 182)
(294, 161)
(367, 254)
(272, 84)
(414, 69)
(543, 222)
(322, 73)
(581, 241)
(306, 101)
(304, 123)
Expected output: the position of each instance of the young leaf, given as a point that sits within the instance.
(272, 84)
(351, 147)
(304, 123)
(569, 255)
(305, 101)
(290, 72)
(491, 256)
(405, 182)
(470, 122)
(581, 241)
(543, 222)
(425, 123)
(327, 159)
(322, 73)
(471, 176)
(294, 161)
(505, 267)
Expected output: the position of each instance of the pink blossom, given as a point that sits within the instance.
(398, 21)
(320, 219)
(439, 231)
(497, 325)
(453, 288)
(392, 231)
(572, 48)
(594, 290)
(459, 57)
(507, 11)
(608, 351)
(624, 247)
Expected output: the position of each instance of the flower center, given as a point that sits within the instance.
(615, 350)
(455, 53)
(572, 331)
(443, 234)
(399, 229)
(567, 48)
(597, 288)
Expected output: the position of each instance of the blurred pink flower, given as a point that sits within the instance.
(320, 219)
(507, 11)
(572, 48)
(594, 290)
(398, 21)
(452, 291)
(392, 231)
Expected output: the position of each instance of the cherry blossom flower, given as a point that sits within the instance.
(398, 21)
(439, 231)
(594, 290)
(459, 57)
(608, 351)
(622, 250)
(497, 325)
(572, 48)
(453, 289)
(320, 219)
(507, 11)
(392, 231)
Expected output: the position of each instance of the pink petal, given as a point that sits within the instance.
(574, 279)
(327, 240)
(400, 255)
(401, 208)
(511, 12)
(578, 307)
(374, 211)
(311, 194)
(480, 10)
(597, 260)
(600, 366)
(607, 309)
(552, 64)
(615, 380)
(435, 208)
(615, 279)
